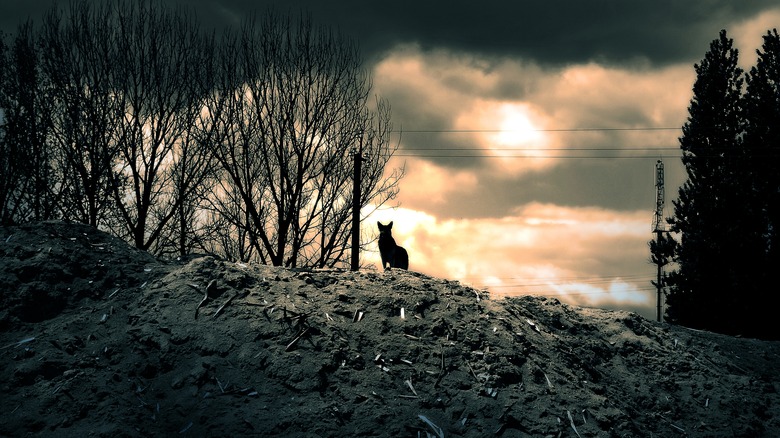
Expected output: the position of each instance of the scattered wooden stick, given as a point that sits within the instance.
(222, 387)
(436, 429)
(210, 288)
(672, 424)
(442, 360)
(298, 317)
(202, 302)
(225, 304)
(17, 344)
(409, 384)
(186, 428)
(472, 371)
(296, 339)
(571, 422)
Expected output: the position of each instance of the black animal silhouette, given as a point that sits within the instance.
(393, 256)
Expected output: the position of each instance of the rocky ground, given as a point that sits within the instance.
(99, 339)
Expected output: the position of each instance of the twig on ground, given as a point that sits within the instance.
(672, 424)
(296, 339)
(436, 429)
(409, 384)
(571, 421)
(225, 304)
(549, 383)
(221, 386)
(185, 428)
(472, 371)
(17, 344)
(211, 286)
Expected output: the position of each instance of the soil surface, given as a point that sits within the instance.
(100, 339)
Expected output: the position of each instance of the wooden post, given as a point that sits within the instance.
(355, 261)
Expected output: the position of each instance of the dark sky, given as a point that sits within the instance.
(551, 32)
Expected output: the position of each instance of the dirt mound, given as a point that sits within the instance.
(137, 347)
(53, 265)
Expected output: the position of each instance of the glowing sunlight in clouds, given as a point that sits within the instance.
(516, 128)
(510, 135)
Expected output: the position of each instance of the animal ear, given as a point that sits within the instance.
(390, 225)
(379, 224)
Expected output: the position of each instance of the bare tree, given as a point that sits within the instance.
(294, 113)
(159, 78)
(245, 152)
(229, 129)
(192, 176)
(9, 163)
(29, 183)
(11, 158)
(193, 171)
(77, 56)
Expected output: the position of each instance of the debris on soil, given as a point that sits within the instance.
(100, 339)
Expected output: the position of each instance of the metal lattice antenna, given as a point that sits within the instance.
(658, 217)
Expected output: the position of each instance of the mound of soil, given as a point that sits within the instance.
(99, 339)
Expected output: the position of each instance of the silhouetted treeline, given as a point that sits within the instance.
(728, 211)
(128, 116)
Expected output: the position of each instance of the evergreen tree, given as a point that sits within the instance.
(715, 213)
(662, 250)
(762, 134)
(761, 104)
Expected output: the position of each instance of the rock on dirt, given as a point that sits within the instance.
(100, 339)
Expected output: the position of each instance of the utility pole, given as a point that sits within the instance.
(355, 259)
(658, 226)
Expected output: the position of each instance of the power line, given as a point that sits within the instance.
(663, 148)
(474, 152)
(650, 152)
(458, 131)
(579, 157)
